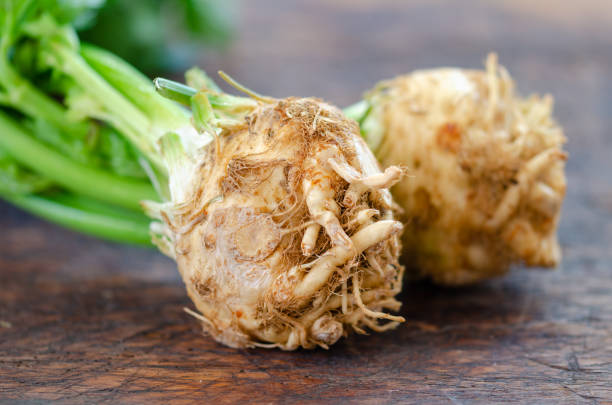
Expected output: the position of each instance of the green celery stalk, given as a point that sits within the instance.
(124, 115)
(136, 87)
(81, 179)
(92, 220)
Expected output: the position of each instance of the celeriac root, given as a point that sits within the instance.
(486, 180)
(284, 232)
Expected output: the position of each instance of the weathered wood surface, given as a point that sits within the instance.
(83, 321)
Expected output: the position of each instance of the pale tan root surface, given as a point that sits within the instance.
(485, 179)
(287, 237)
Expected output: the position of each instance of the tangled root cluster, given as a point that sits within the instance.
(486, 179)
(287, 238)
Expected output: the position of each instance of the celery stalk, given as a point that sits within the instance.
(120, 228)
(85, 180)
(136, 87)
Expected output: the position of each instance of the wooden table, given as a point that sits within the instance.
(84, 321)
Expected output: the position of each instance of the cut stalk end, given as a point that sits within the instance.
(174, 91)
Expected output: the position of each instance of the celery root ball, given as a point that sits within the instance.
(485, 178)
(283, 228)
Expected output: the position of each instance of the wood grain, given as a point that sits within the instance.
(84, 321)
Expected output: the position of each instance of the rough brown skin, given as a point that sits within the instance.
(486, 180)
(287, 238)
